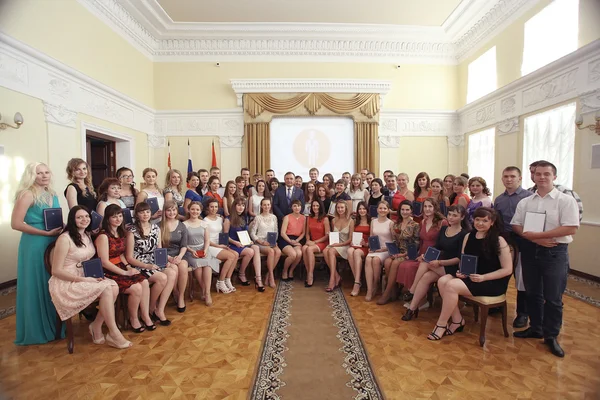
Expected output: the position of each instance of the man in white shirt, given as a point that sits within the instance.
(544, 255)
(363, 178)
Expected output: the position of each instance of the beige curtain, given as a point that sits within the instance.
(366, 146)
(258, 152)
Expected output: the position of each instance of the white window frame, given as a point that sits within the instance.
(481, 156)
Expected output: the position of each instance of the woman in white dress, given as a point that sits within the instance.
(356, 191)
(150, 190)
(221, 251)
(343, 224)
(264, 223)
(382, 228)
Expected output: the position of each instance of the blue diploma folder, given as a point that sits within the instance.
(272, 238)
(93, 268)
(412, 251)
(431, 254)
(53, 218)
(374, 244)
(160, 257)
(153, 203)
(224, 238)
(417, 208)
(468, 264)
(96, 220)
(392, 248)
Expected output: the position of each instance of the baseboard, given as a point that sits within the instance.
(7, 284)
(580, 274)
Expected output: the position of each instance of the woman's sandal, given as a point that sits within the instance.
(244, 282)
(100, 340)
(461, 326)
(353, 293)
(435, 335)
(137, 330)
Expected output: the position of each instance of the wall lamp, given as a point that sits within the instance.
(592, 127)
(18, 121)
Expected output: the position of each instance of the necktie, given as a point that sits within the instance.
(289, 195)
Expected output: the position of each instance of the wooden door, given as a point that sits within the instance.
(101, 158)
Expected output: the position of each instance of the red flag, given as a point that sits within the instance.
(169, 156)
(214, 155)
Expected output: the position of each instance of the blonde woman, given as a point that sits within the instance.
(36, 315)
(80, 191)
(356, 191)
(343, 224)
(264, 223)
(174, 237)
(150, 189)
(174, 187)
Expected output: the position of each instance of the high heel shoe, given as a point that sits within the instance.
(410, 314)
(261, 287)
(208, 300)
(435, 335)
(222, 287)
(100, 340)
(111, 342)
(137, 330)
(244, 282)
(181, 309)
(353, 293)
(408, 296)
(306, 284)
(163, 322)
(229, 285)
(461, 327)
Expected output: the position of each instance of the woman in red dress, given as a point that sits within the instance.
(356, 254)
(317, 237)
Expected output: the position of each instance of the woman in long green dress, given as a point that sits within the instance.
(36, 315)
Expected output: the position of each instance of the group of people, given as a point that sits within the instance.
(211, 228)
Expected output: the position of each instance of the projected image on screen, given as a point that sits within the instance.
(298, 144)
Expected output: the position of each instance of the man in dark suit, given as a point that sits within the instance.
(284, 195)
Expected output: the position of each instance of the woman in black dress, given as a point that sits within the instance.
(494, 267)
(80, 192)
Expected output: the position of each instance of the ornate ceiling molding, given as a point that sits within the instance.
(148, 28)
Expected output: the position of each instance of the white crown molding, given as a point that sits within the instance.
(149, 29)
(242, 86)
(572, 77)
(58, 114)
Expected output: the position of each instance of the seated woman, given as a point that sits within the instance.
(494, 267)
(198, 255)
(429, 230)
(193, 193)
(339, 196)
(449, 242)
(217, 225)
(110, 245)
(405, 232)
(260, 193)
(437, 193)
(71, 292)
(343, 224)
(480, 196)
(238, 221)
(149, 190)
(293, 229)
(317, 237)
(382, 228)
(356, 254)
(264, 223)
(109, 193)
(356, 192)
(142, 240)
(461, 198)
(174, 237)
(173, 190)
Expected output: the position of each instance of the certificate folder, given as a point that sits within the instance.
(431, 254)
(373, 211)
(160, 257)
(53, 218)
(468, 264)
(374, 244)
(127, 218)
(224, 238)
(412, 251)
(244, 238)
(417, 208)
(334, 237)
(272, 238)
(93, 268)
(392, 248)
(534, 222)
(153, 203)
(96, 220)
(357, 238)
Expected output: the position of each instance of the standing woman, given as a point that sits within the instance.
(174, 188)
(238, 221)
(222, 252)
(437, 193)
(273, 185)
(480, 195)
(340, 196)
(198, 255)
(422, 191)
(213, 188)
(449, 187)
(343, 224)
(405, 232)
(323, 195)
(36, 315)
(317, 237)
(362, 224)
(193, 193)
(402, 183)
(109, 193)
(142, 240)
(263, 223)
(459, 186)
(231, 192)
(356, 192)
(80, 191)
(293, 229)
(328, 183)
(310, 194)
(254, 201)
(151, 190)
(110, 245)
(174, 237)
(382, 228)
(72, 292)
(376, 192)
(128, 191)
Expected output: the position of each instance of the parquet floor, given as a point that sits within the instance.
(210, 353)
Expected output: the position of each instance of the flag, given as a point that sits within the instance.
(169, 156)
(190, 168)
(214, 155)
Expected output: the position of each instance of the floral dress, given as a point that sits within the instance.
(143, 249)
(116, 247)
(406, 236)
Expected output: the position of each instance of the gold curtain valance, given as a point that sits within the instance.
(367, 103)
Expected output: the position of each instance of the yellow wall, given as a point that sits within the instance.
(417, 154)
(205, 86)
(509, 44)
(66, 31)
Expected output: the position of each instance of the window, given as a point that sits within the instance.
(481, 156)
(550, 136)
(550, 34)
(481, 78)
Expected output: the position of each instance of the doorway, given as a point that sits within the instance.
(101, 156)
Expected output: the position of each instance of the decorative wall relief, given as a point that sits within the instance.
(389, 141)
(507, 126)
(550, 88)
(507, 105)
(58, 114)
(594, 71)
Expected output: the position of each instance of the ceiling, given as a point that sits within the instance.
(395, 12)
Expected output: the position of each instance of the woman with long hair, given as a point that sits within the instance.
(328, 183)
(80, 191)
(449, 242)
(494, 267)
(143, 238)
(261, 191)
(128, 192)
(71, 291)
(356, 254)
(110, 246)
(273, 185)
(109, 192)
(317, 237)
(174, 237)
(198, 255)
(437, 193)
(382, 228)
(323, 196)
(461, 198)
(264, 223)
(422, 191)
(238, 221)
(231, 193)
(343, 224)
(480, 195)
(376, 193)
(356, 191)
(449, 187)
(149, 190)
(193, 193)
(36, 314)
(293, 229)
(310, 193)
(214, 183)
(173, 190)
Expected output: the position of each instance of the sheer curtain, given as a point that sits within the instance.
(550, 136)
(481, 156)
(481, 78)
(550, 34)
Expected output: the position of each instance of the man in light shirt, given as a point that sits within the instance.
(544, 255)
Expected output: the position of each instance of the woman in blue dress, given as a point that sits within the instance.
(36, 315)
